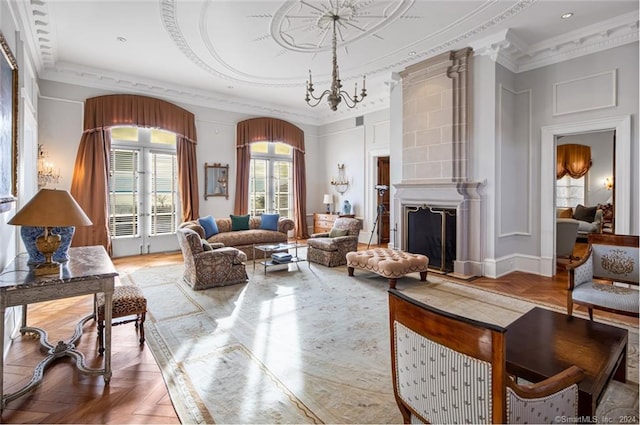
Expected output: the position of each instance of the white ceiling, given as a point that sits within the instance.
(254, 56)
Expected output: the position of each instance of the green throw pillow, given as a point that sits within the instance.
(239, 222)
(334, 233)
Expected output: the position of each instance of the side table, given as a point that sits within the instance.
(89, 271)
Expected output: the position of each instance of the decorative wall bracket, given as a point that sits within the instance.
(341, 183)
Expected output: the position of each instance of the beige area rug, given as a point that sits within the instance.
(307, 345)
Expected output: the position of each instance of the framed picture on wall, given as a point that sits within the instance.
(8, 125)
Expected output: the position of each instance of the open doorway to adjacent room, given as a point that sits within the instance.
(383, 203)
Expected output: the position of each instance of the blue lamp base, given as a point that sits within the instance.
(29, 235)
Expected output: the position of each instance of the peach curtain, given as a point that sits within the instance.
(272, 130)
(89, 184)
(573, 160)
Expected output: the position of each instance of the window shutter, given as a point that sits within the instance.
(124, 192)
(163, 190)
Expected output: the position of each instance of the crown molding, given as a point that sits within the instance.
(507, 49)
(122, 83)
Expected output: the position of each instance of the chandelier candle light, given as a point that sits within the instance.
(335, 95)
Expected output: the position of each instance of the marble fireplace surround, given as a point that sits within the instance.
(435, 152)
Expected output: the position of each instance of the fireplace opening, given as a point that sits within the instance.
(432, 231)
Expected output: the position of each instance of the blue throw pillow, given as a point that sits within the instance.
(239, 222)
(209, 225)
(269, 221)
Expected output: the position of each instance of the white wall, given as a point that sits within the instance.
(357, 147)
(623, 61)
(524, 103)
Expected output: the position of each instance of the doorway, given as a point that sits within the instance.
(383, 201)
(622, 177)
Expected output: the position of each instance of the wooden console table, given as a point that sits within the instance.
(89, 271)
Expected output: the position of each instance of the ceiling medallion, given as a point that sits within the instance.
(335, 95)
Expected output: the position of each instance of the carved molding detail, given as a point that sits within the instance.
(514, 54)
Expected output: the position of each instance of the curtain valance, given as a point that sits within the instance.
(573, 160)
(269, 130)
(89, 184)
(103, 112)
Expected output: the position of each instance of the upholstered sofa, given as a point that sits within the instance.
(207, 266)
(590, 219)
(243, 240)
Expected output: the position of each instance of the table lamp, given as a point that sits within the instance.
(50, 208)
(327, 199)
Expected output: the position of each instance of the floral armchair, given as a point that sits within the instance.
(330, 249)
(451, 369)
(206, 266)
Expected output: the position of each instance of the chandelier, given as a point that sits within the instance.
(335, 95)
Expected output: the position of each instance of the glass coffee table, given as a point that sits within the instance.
(269, 249)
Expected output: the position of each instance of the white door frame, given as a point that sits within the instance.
(622, 179)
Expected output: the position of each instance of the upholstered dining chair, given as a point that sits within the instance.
(610, 258)
(451, 369)
(566, 236)
(330, 248)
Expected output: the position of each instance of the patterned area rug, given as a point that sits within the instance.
(304, 345)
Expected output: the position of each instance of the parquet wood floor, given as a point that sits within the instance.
(137, 392)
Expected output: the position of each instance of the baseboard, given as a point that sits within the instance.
(495, 268)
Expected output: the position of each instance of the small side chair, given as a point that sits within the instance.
(128, 300)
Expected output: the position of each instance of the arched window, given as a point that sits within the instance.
(271, 176)
(89, 184)
(271, 130)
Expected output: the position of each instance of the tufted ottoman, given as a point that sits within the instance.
(388, 263)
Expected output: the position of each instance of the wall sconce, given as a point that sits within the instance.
(46, 175)
(341, 183)
(608, 183)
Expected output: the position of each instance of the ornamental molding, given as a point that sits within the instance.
(506, 48)
(123, 83)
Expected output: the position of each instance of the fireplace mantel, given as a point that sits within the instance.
(466, 199)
